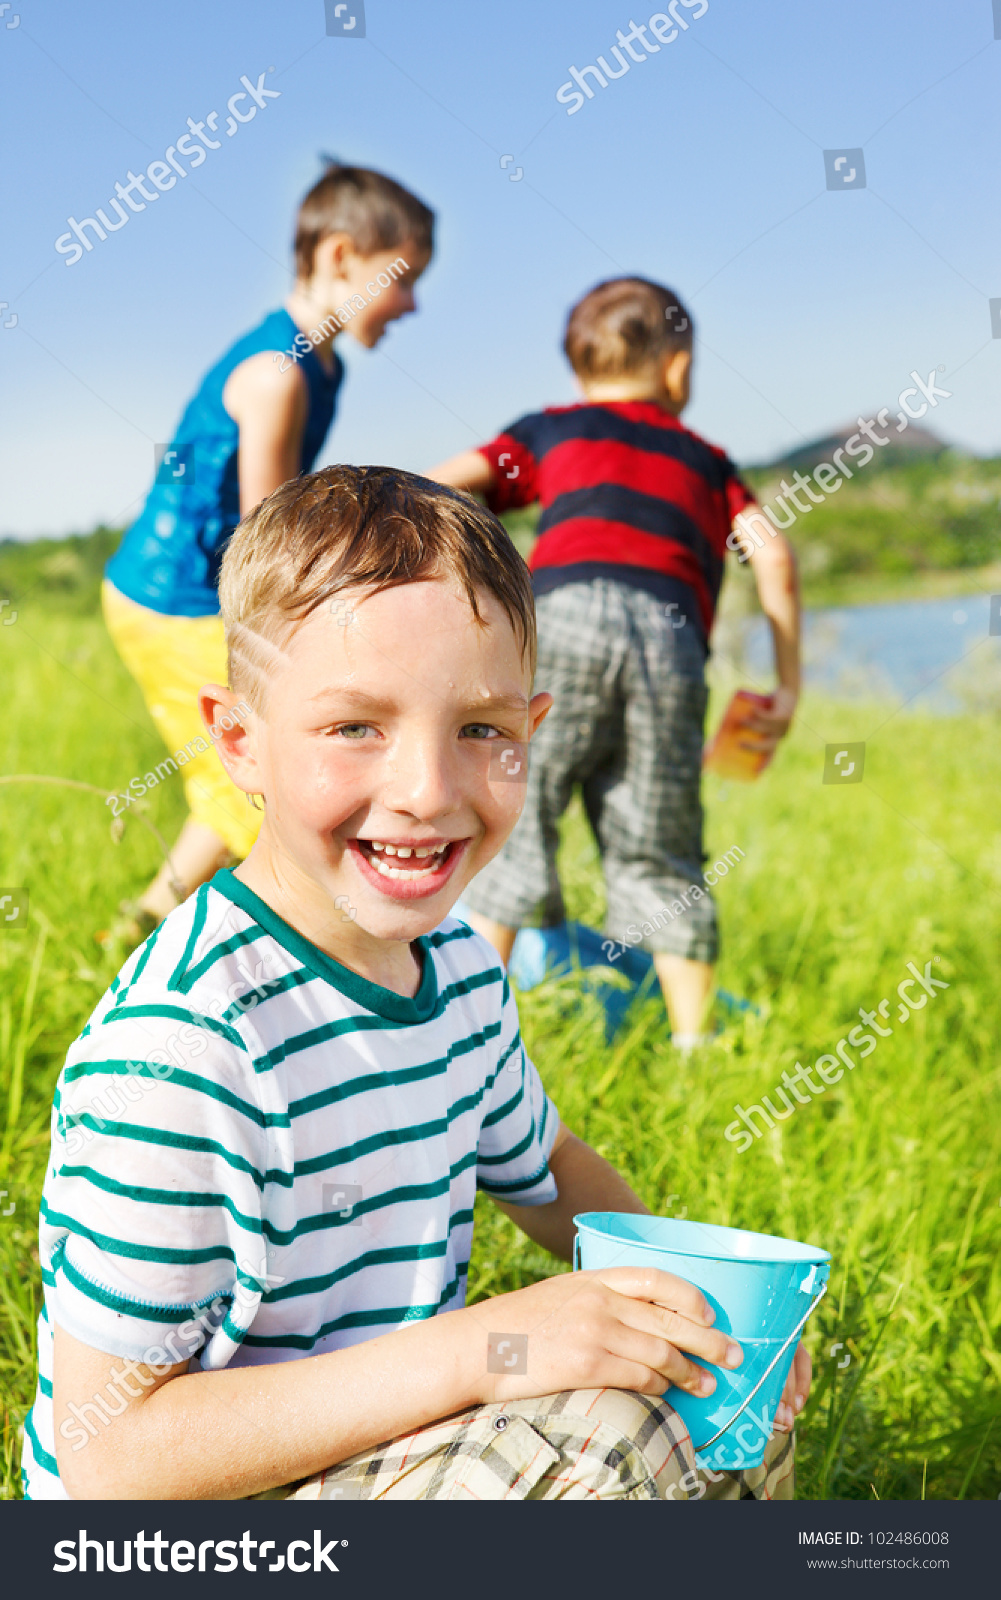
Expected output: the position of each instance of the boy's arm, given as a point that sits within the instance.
(470, 470)
(269, 406)
(226, 1435)
(229, 1434)
(773, 563)
(240, 1431)
(586, 1182)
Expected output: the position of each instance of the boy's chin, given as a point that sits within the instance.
(391, 918)
(368, 339)
(406, 920)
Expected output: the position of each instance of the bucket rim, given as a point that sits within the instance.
(812, 1253)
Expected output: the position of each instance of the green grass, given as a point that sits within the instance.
(895, 1169)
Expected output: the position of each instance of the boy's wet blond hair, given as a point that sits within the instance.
(357, 527)
(622, 325)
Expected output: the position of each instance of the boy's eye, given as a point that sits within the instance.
(480, 730)
(354, 730)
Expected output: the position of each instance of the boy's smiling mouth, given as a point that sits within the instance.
(407, 869)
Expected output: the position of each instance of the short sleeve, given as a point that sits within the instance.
(738, 495)
(519, 1126)
(152, 1212)
(515, 468)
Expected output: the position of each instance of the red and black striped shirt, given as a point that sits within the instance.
(627, 492)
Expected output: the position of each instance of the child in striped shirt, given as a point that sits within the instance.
(267, 1140)
(636, 518)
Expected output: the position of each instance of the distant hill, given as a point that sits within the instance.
(914, 441)
(922, 509)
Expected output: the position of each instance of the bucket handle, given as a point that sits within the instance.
(576, 1252)
(767, 1372)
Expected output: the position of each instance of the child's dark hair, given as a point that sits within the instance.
(622, 325)
(375, 211)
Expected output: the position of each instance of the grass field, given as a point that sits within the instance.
(895, 1169)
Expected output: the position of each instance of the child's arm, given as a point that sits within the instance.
(470, 470)
(269, 406)
(773, 563)
(229, 1434)
(586, 1182)
(237, 1432)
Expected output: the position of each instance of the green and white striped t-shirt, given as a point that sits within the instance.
(258, 1155)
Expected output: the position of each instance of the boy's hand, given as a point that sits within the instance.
(796, 1390)
(618, 1328)
(771, 723)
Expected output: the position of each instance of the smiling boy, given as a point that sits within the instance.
(271, 1243)
(258, 418)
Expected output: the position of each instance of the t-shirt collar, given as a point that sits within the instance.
(369, 996)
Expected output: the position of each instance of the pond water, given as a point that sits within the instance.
(937, 655)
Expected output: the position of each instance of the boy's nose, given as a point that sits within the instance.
(423, 783)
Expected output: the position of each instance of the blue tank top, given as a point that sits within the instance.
(169, 559)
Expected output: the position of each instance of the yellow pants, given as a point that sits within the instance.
(171, 659)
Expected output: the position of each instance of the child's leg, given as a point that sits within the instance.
(775, 1479)
(573, 666)
(687, 987)
(646, 810)
(171, 658)
(583, 1444)
(195, 858)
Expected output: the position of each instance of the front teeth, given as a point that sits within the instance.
(405, 852)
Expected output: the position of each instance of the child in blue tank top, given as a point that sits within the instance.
(259, 418)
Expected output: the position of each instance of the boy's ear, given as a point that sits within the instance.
(677, 376)
(332, 256)
(228, 721)
(538, 709)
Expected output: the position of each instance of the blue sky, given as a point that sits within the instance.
(702, 166)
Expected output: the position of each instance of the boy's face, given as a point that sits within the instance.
(394, 724)
(339, 272)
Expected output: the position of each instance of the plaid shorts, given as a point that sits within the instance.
(584, 1444)
(629, 691)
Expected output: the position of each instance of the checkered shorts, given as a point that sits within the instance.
(629, 692)
(584, 1444)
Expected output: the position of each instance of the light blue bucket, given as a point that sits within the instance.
(762, 1290)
